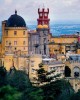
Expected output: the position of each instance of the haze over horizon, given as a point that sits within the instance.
(60, 10)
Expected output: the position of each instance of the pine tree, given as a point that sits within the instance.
(44, 76)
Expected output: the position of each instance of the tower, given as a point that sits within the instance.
(43, 17)
(43, 40)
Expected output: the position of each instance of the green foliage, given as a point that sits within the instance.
(18, 79)
(67, 91)
(37, 95)
(41, 70)
(18, 87)
(44, 76)
(76, 96)
(41, 75)
(3, 74)
(34, 93)
(58, 90)
(9, 93)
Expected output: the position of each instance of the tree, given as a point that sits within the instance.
(76, 96)
(67, 91)
(19, 79)
(9, 93)
(3, 74)
(44, 76)
(41, 75)
(34, 93)
(58, 90)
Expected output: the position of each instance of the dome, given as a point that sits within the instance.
(15, 21)
(45, 26)
(40, 26)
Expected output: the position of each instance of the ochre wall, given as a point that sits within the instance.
(34, 62)
(20, 37)
(63, 40)
(58, 44)
(8, 61)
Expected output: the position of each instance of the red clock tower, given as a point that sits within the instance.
(43, 16)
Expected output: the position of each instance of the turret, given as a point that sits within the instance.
(43, 17)
(43, 32)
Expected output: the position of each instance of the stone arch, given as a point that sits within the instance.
(76, 71)
(67, 71)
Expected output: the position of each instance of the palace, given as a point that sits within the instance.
(25, 50)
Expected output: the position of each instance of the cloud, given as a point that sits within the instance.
(71, 2)
(8, 2)
(59, 9)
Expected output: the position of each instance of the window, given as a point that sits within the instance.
(7, 33)
(32, 63)
(15, 42)
(23, 32)
(41, 14)
(24, 48)
(15, 48)
(9, 43)
(76, 71)
(24, 42)
(44, 40)
(6, 42)
(76, 74)
(15, 32)
(45, 14)
(6, 48)
(43, 23)
(33, 70)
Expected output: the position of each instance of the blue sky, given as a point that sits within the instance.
(60, 10)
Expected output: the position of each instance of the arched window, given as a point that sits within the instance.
(15, 32)
(76, 71)
(67, 71)
(7, 33)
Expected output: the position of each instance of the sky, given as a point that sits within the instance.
(60, 10)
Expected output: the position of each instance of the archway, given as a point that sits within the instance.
(76, 71)
(67, 71)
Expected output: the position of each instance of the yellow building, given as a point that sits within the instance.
(63, 44)
(57, 67)
(49, 64)
(34, 62)
(14, 35)
(14, 41)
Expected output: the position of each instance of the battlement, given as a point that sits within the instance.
(43, 10)
(43, 17)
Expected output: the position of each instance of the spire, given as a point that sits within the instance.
(16, 12)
